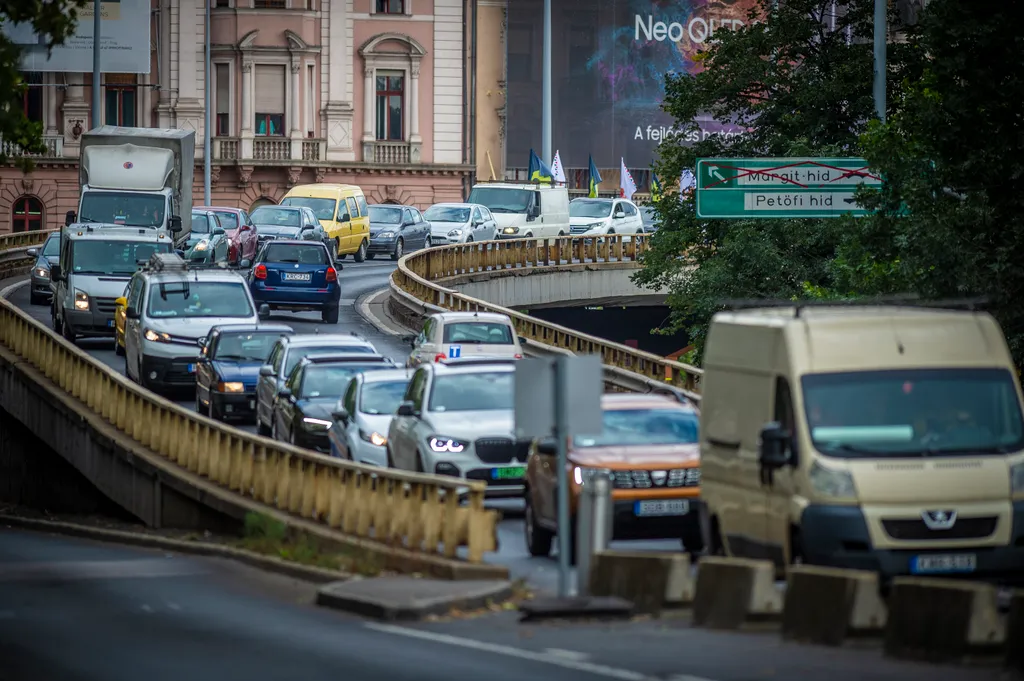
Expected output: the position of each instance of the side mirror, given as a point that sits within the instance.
(267, 371)
(69, 218)
(547, 447)
(174, 223)
(219, 231)
(345, 217)
(121, 302)
(406, 409)
(245, 264)
(56, 274)
(264, 311)
(131, 312)
(619, 214)
(410, 340)
(521, 339)
(284, 393)
(32, 252)
(775, 446)
(534, 211)
(340, 414)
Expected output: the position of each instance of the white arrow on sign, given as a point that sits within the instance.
(714, 173)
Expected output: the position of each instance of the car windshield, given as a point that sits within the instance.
(323, 208)
(382, 397)
(640, 427)
(245, 346)
(502, 199)
(484, 391)
(478, 333)
(123, 208)
(447, 214)
(590, 208)
(296, 355)
(386, 215)
(312, 254)
(52, 246)
(330, 380)
(913, 412)
(181, 299)
(228, 220)
(275, 217)
(200, 223)
(113, 257)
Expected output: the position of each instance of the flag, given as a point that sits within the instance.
(655, 188)
(595, 179)
(557, 174)
(686, 181)
(627, 186)
(539, 172)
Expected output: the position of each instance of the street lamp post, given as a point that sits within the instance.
(546, 87)
(96, 20)
(207, 133)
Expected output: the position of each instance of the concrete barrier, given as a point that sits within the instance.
(827, 605)
(651, 580)
(733, 591)
(1015, 633)
(943, 620)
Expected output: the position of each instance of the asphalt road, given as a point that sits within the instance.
(75, 610)
(357, 280)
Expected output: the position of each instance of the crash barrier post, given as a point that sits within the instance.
(731, 592)
(827, 605)
(594, 522)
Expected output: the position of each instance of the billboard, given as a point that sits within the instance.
(124, 41)
(609, 61)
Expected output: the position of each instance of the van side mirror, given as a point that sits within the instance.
(131, 312)
(774, 449)
(547, 447)
(534, 211)
(174, 223)
(284, 393)
(266, 371)
(340, 414)
(56, 274)
(345, 217)
(69, 218)
(264, 311)
(406, 409)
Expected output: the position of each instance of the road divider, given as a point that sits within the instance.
(827, 605)
(651, 580)
(731, 592)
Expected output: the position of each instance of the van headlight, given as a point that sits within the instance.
(510, 230)
(156, 336)
(81, 300)
(830, 482)
(1017, 478)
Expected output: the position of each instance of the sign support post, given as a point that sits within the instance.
(97, 20)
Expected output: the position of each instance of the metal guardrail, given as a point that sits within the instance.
(416, 511)
(13, 256)
(419, 282)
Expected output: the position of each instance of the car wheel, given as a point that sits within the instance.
(360, 255)
(693, 536)
(469, 239)
(399, 249)
(330, 313)
(67, 332)
(391, 459)
(538, 539)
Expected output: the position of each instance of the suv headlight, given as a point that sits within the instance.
(310, 423)
(594, 225)
(373, 438)
(446, 445)
(156, 336)
(829, 482)
(1017, 478)
(81, 300)
(41, 272)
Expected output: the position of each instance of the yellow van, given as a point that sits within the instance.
(872, 437)
(342, 211)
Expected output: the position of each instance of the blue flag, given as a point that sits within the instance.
(595, 179)
(539, 171)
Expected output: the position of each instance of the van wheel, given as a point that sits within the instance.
(561, 233)
(538, 539)
(67, 332)
(337, 248)
(360, 255)
(796, 546)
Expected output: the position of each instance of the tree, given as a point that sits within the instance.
(799, 78)
(55, 19)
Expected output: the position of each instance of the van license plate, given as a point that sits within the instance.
(943, 563)
(191, 368)
(110, 323)
(662, 507)
(297, 276)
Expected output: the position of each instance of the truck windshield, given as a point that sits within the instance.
(913, 412)
(199, 299)
(113, 257)
(502, 199)
(123, 208)
(324, 208)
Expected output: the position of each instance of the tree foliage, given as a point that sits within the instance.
(55, 19)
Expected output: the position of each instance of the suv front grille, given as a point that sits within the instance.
(579, 230)
(501, 449)
(644, 479)
(964, 528)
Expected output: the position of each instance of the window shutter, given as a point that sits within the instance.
(270, 84)
(223, 89)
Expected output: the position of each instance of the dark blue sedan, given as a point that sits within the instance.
(296, 275)
(229, 366)
(45, 256)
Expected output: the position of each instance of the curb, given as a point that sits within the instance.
(362, 308)
(251, 558)
(375, 608)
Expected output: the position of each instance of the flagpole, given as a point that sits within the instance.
(545, 125)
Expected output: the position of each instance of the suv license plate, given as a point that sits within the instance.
(510, 473)
(297, 276)
(943, 563)
(661, 507)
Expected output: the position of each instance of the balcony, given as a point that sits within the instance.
(269, 149)
(391, 153)
(54, 148)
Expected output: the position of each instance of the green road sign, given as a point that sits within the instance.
(781, 187)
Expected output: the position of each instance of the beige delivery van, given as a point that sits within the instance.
(874, 437)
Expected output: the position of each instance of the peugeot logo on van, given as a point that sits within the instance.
(939, 520)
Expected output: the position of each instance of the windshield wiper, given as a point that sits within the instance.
(236, 358)
(95, 272)
(85, 219)
(853, 449)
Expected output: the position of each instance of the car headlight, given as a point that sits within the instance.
(829, 482)
(455, 233)
(386, 235)
(230, 387)
(446, 445)
(156, 336)
(81, 300)
(374, 438)
(577, 475)
(316, 424)
(41, 272)
(510, 230)
(1017, 478)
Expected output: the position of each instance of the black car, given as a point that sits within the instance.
(302, 413)
(48, 255)
(229, 366)
(289, 222)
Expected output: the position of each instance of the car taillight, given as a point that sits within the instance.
(440, 357)
(517, 356)
(332, 275)
(260, 272)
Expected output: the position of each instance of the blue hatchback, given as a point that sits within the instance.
(296, 275)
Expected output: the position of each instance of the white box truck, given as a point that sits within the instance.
(137, 177)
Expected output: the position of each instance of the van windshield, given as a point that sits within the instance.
(913, 412)
(324, 208)
(502, 199)
(113, 257)
(123, 208)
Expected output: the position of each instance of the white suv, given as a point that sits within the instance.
(170, 310)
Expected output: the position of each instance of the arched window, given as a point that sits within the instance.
(27, 214)
(262, 201)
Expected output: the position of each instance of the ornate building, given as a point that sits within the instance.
(368, 92)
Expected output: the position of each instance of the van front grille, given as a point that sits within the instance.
(964, 528)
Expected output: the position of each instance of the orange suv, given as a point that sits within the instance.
(650, 444)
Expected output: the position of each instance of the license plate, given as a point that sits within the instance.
(297, 276)
(512, 473)
(110, 323)
(943, 563)
(191, 368)
(252, 404)
(662, 507)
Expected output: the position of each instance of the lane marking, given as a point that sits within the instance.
(529, 655)
(567, 654)
(7, 291)
(111, 569)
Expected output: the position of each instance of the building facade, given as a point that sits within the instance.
(367, 92)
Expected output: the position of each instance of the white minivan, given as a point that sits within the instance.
(525, 210)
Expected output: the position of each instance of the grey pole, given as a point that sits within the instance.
(880, 66)
(96, 21)
(562, 442)
(594, 523)
(545, 125)
(207, 133)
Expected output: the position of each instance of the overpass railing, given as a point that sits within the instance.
(421, 276)
(416, 511)
(14, 258)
